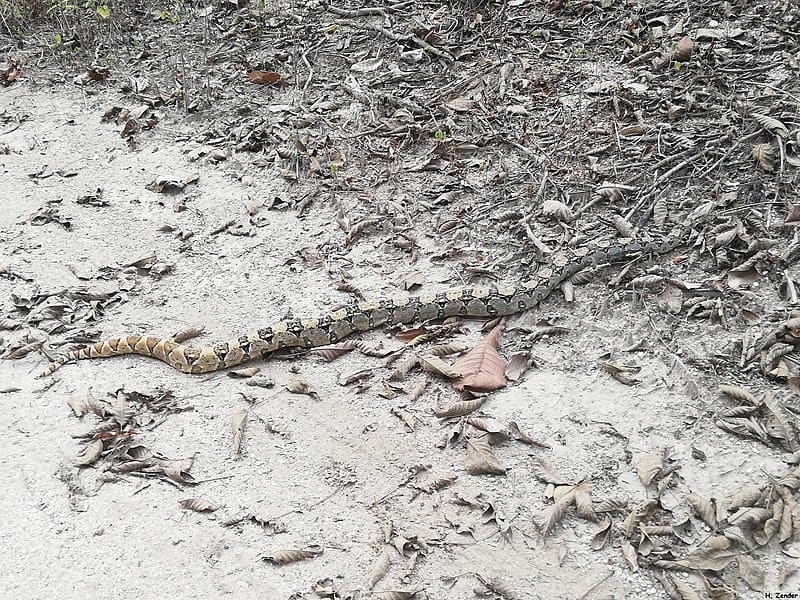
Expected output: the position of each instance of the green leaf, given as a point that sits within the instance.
(104, 11)
(57, 39)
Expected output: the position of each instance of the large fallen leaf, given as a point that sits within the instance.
(483, 369)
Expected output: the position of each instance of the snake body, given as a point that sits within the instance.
(479, 301)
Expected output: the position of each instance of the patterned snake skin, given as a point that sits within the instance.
(481, 301)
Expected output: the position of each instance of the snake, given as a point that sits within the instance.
(486, 301)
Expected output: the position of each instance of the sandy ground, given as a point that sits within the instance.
(328, 470)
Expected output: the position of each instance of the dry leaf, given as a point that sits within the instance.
(329, 353)
(705, 509)
(583, 502)
(379, 569)
(200, 505)
(751, 571)
(771, 124)
(651, 465)
(481, 459)
(284, 557)
(459, 409)
(739, 393)
(519, 363)
(298, 385)
(187, 334)
(629, 552)
(434, 364)
(90, 453)
(263, 77)
(600, 539)
(764, 155)
(482, 368)
(238, 423)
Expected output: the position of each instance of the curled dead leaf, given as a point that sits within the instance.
(379, 569)
(459, 409)
(200, 505)
(298, 385)
(90, 453)
(284, 557)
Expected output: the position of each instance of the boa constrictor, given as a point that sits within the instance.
(480, 301)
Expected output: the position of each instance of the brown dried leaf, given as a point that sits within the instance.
(549, 516)
(434, 364)
(601, 538)
(751, 571)
(482, 368)
(764, 154)
(705, 509)
(651, 465)
(481, 459)
(263, 77)
(90, 453)
(238, 423)
(629, 552)
(519, 363)
(329, 353)
(583, 502)
(284, 557)
(459, 409)
(738, 393)
(771, 124)
(379, 569)
(394, 595)
(405, 416)
(298, 385)
(523, 437)
(683, 590)
(187, 334)
(200, 505)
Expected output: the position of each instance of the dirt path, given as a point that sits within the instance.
(363, 476)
